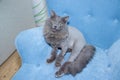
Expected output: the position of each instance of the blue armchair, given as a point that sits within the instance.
(98, 20)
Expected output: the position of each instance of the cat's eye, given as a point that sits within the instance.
(60, 24)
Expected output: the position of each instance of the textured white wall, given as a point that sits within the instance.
(15, 16)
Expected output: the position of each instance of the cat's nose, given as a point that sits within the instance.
(55, 27)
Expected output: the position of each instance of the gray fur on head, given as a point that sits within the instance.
(53, 14)
(56, 23)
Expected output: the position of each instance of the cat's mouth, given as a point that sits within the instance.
(55, 30)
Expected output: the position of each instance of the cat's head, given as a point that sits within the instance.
(56, 22)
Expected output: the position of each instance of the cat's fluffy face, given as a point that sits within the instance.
(56, 22)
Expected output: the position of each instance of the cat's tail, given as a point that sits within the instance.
(86, 54)
(82, 60)
(79, 64)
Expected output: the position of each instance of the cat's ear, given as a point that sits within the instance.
(65, 19)
(53, 14)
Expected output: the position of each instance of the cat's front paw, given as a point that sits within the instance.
(57, 64)
(51, 59)
(59, 60)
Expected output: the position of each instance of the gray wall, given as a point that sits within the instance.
(15, 16)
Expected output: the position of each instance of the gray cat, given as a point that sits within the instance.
(61, 36)
(80, 62)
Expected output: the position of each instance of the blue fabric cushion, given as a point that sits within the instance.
(114, 56)
(34, 51)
